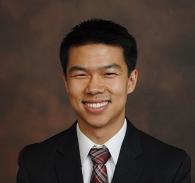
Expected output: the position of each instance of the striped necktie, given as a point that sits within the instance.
(99, 157)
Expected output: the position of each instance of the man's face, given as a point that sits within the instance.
(97, 85)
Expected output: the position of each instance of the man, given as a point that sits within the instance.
(99, 64)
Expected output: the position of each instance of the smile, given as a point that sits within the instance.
(96, 107)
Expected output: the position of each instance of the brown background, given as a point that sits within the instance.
(33, 104)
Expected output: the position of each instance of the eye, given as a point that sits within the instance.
(110, 74)
(79, 75)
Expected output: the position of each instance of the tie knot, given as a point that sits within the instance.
(99, 155)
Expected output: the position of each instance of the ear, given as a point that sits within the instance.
(64, 77)
(132, 80)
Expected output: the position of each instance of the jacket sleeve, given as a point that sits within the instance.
(183, 174)
(22, 175)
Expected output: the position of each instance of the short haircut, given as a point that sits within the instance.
(99, 31)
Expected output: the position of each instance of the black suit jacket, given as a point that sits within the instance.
(142, 159)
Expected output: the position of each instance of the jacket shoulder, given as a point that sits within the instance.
(169, 159)
(157, 147)
(42, 150)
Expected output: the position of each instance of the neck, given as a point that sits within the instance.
(100, 135)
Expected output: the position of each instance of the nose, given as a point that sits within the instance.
(95, 85)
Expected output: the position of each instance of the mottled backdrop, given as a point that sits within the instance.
(33, 104)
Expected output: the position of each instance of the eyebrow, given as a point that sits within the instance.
(76, 68)
(80, 68)
(115, 66)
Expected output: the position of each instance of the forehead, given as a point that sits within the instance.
(94, 55)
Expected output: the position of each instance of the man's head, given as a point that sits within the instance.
(100, 31)
(98, 59)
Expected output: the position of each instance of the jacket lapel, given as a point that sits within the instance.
(68, 164)
(130, 162)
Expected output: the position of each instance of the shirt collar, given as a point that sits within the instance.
(113, 144)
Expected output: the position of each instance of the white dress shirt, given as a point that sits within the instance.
(113, 145)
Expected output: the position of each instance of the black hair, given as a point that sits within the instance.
(100, 31)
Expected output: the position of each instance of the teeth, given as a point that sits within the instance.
(96, 105)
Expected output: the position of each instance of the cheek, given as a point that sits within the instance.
(118, 88)
(75, 89)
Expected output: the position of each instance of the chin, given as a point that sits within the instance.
(98, 123)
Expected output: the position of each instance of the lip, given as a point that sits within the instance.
(96, 106)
